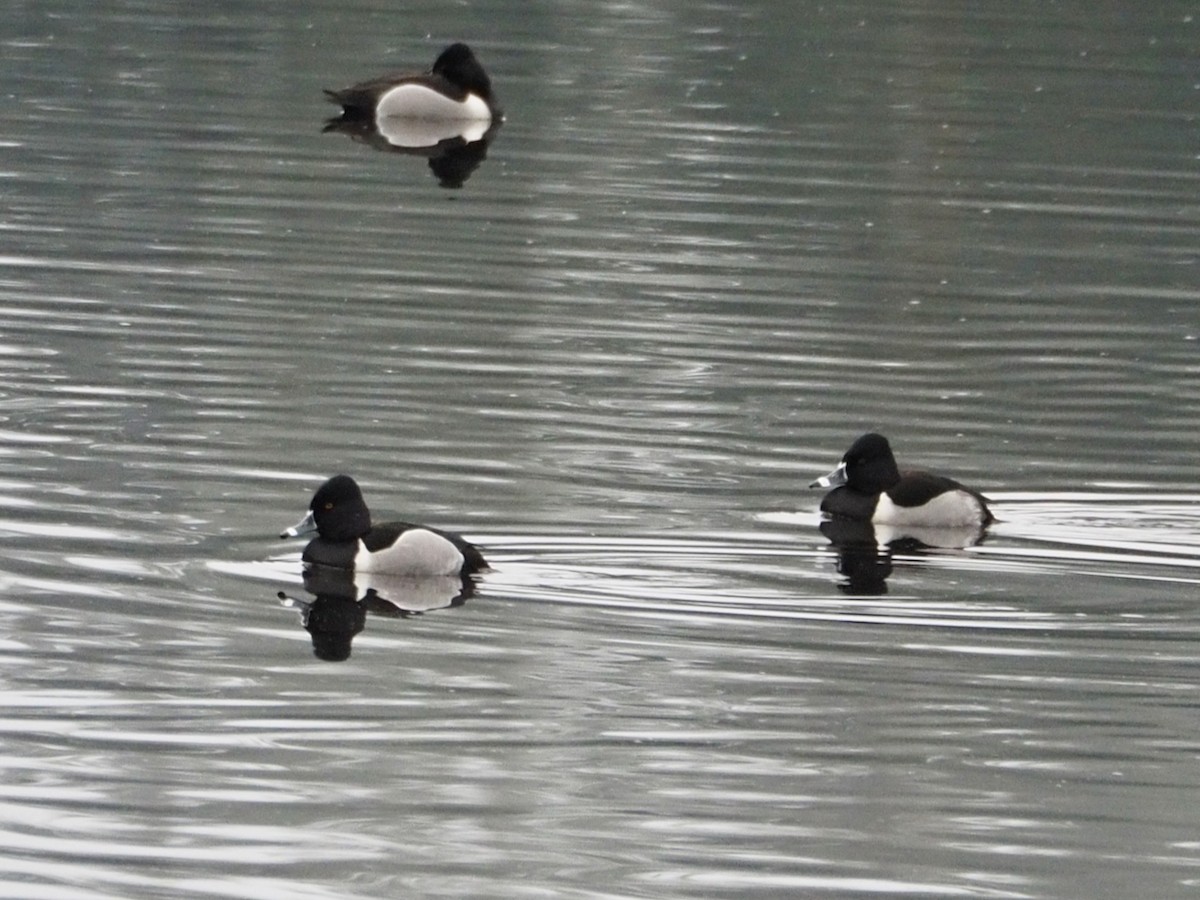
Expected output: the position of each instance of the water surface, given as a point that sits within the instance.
(709, 247)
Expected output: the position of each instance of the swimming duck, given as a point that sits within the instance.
(869, 487)
(455, 89)
(346, 539)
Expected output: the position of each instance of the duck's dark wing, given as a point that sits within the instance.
(916, 488)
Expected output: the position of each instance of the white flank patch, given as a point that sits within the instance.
(416, 101)
(952, 509)
(417, 552)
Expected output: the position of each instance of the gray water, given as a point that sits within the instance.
(710, 245)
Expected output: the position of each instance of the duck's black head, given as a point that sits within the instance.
(339, 511)
(869, 464)
(458, 65)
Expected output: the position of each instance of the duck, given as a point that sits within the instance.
(868, 486)
(456, 89)
(346, 539)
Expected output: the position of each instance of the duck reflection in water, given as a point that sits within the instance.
(453, 156)
(865, 551)
(341, 602)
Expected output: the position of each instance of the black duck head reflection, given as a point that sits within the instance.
(342, 600)
(331, 621)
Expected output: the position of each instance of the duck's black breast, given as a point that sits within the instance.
(852, 504)
(336, 554)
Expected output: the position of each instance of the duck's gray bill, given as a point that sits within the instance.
(307, 525)
(833, 479)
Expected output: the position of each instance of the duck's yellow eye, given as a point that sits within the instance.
(329, 506)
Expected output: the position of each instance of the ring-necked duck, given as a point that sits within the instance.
(867, 486)
(347, 539)
(455, 89)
